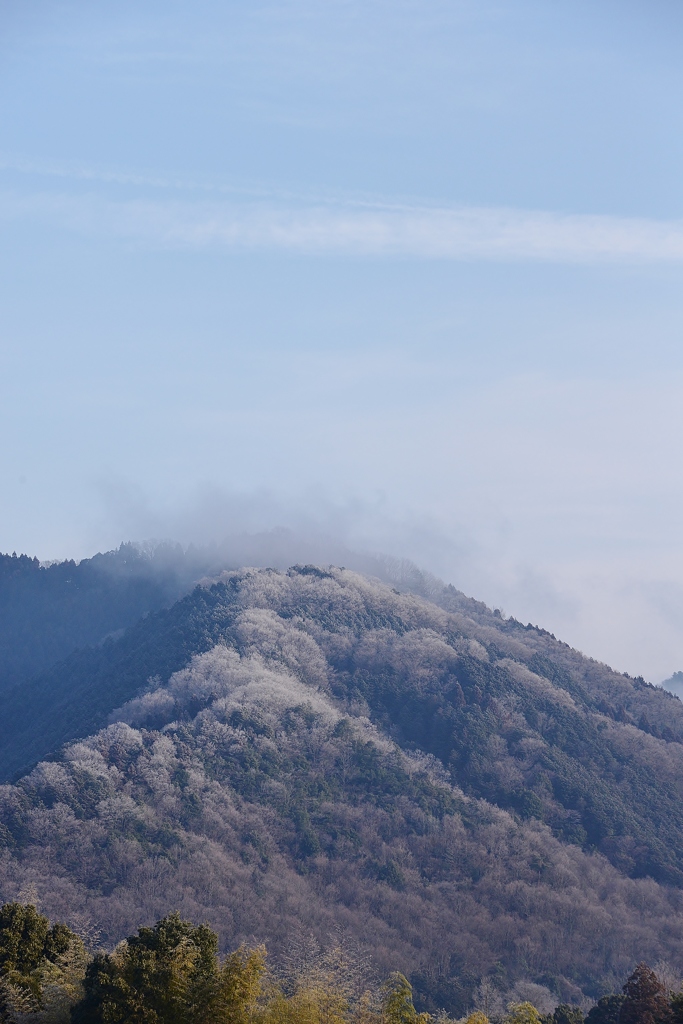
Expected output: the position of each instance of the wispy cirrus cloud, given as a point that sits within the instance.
(170, 213)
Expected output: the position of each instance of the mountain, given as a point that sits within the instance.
(315, 752)
(49, 611)
(674, 684)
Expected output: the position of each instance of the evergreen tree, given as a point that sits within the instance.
(606, 1010)
(566, 1014)
(397, 1003)
(37, 961)
(23, 937)
(167, 974)
(646, 999)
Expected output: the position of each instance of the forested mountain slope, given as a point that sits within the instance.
(46, 612)
(317, 751)
(266, 810)
(513, 715)
(76, 696)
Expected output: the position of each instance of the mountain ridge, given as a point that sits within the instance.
(313, 749)
(262, 808)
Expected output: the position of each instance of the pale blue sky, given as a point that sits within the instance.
(406, 272)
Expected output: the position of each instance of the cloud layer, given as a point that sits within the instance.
(355, 229)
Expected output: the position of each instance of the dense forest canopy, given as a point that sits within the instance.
(48, 611)
(312, 752)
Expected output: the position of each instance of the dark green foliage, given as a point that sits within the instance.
(23, 939)
(107, 997)
(167, 974)
(606, 1010)
(566, 1014)
(647, 1001)
(26, 940)
(392, 875)
(27, 945)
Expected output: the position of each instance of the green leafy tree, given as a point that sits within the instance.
(23, 939)
(164, 975)
(239, 985)
(646, 1001)
(522, 1013)
(41, 967)
(478, 1017)
(62, 983)
(311, 1004)
(397, 1002)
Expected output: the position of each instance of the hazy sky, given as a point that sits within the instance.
(409, 273)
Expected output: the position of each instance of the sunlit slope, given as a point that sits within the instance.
(244, 794)
(511, 714)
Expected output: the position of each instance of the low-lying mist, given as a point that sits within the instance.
(597, 602)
